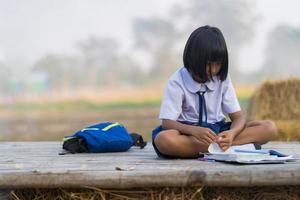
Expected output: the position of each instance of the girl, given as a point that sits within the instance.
(196, 98)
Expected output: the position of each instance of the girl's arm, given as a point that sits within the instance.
(204, 135)
(238, 122)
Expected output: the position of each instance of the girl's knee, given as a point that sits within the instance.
(164, 141)
(270, 128)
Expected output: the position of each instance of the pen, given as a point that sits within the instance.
(251, 151)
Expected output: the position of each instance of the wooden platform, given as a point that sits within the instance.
(38, 165)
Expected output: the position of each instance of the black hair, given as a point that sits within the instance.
(206, 44)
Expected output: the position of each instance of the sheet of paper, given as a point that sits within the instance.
(215, 148)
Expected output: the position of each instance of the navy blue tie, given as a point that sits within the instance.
(202, 105)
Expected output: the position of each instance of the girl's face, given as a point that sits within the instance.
(213, 68)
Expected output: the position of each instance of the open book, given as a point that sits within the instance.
(246, 154)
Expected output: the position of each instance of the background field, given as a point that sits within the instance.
(50, 120)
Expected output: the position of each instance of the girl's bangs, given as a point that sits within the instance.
(217, 55)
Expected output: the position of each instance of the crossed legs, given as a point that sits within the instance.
(172, 142)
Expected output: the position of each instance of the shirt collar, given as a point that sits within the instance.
(194, 86)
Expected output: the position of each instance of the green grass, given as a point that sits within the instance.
(88, 105)
(80, 105)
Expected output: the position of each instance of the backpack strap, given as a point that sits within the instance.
(138, 140)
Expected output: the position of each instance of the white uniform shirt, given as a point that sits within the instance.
(181, 103)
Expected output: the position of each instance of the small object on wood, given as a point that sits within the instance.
(124, 169)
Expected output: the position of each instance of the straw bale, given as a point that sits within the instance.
(278, 101)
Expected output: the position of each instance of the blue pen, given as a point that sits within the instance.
(251, 151)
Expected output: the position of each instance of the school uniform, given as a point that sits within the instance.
(199, 104)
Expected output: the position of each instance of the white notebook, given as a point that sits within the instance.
(246, 154)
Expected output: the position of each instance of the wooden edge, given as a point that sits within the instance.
(134, 179)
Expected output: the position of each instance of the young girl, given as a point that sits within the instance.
(196, 98)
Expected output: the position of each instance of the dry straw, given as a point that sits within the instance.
(280, 102)
(92, 193)
(186, 193)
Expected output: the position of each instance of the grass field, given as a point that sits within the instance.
(52, 120)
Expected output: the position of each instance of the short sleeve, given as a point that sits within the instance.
(230, 103)
(171, 106)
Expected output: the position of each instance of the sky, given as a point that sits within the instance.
(273, 12)
(32, 28)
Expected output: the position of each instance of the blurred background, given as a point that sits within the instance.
(68, 64)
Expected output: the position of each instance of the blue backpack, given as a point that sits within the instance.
(102, 137)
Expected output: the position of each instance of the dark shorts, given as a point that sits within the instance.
(217, 128)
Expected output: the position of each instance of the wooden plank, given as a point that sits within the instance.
(37, 164)
(4, 194)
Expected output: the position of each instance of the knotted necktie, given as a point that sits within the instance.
(202, 106)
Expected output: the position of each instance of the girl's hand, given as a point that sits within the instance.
(225, 139)
(204, 135)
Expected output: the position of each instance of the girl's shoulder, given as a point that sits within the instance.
(177, 75)
(227, 81)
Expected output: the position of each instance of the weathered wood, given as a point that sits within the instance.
(4, 194)
(37, 164)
